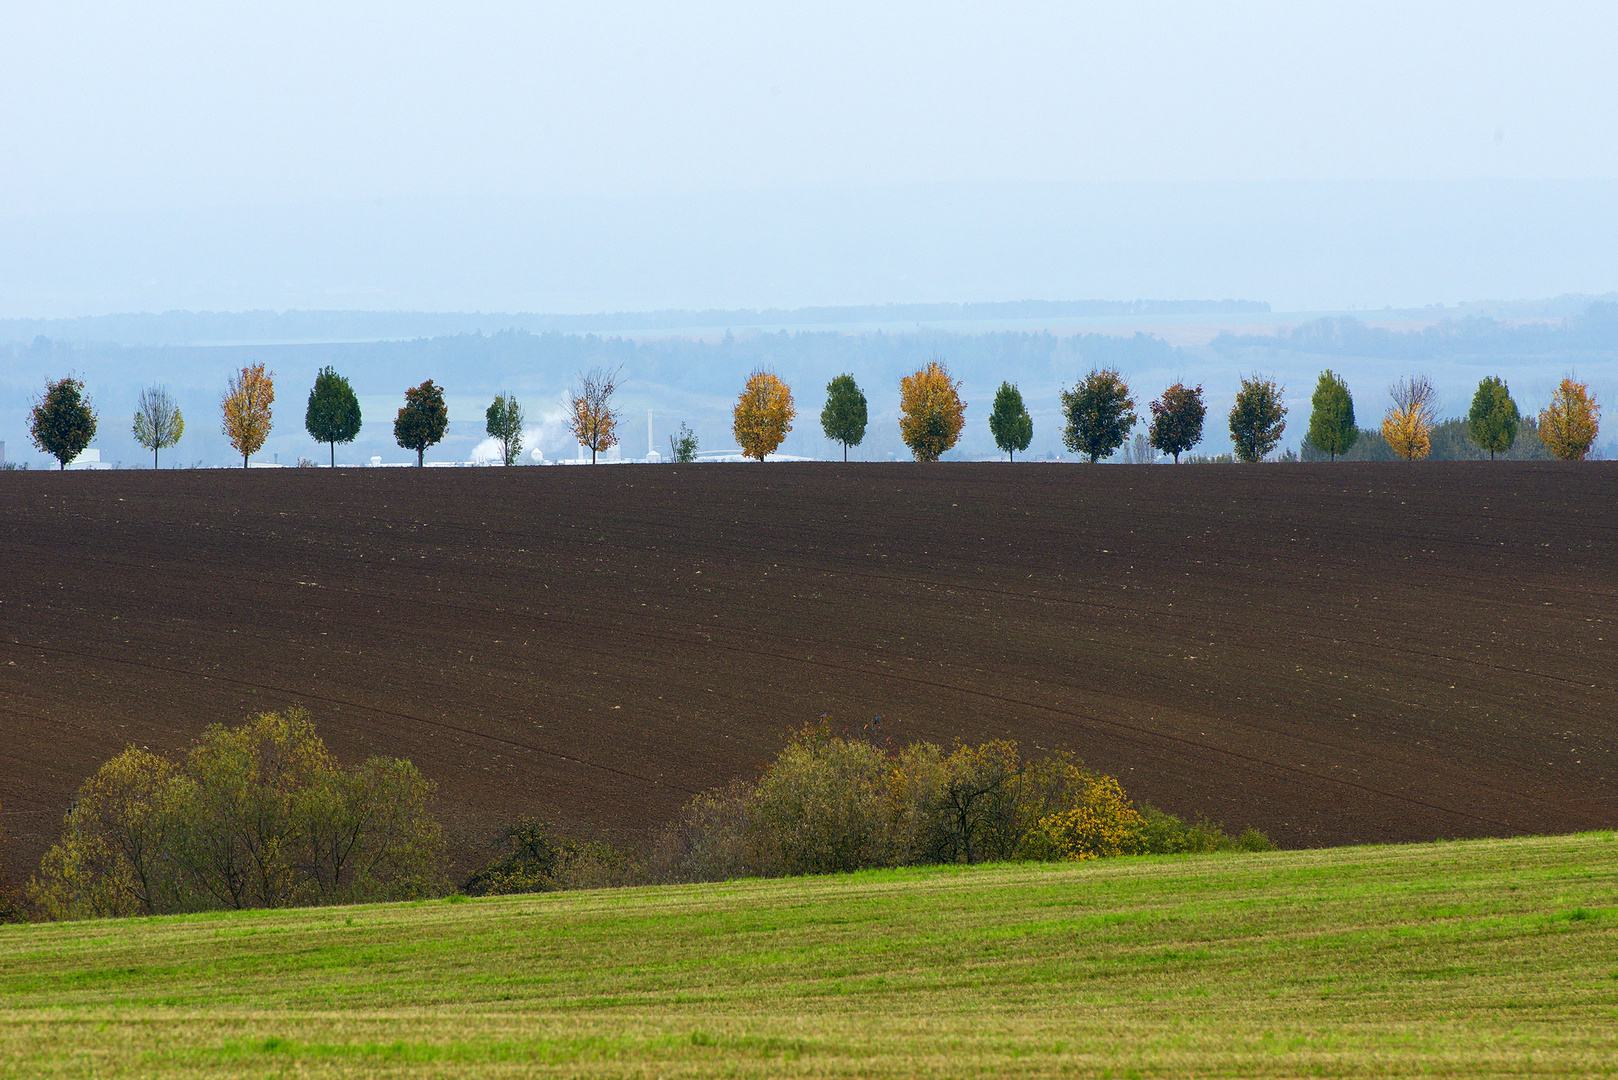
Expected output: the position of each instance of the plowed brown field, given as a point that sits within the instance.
(1333, 653)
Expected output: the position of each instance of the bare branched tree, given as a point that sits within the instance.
(158, 423)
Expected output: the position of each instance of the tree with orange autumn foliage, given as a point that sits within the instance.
(1568, 425)
(764, 415)
(593, 420)
(931, 412)
(247, 409)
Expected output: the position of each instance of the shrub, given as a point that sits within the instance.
(540, 862)
(255, 816)
(834, 804)
(715, 838)
(824, 804)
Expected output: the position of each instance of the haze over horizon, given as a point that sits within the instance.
(638, 156)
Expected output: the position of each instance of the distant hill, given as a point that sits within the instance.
(235, 327)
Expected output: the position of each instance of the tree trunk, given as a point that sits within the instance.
(244, 461)
(420, 455)
(333, 446)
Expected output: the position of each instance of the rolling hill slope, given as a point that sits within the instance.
(1331, 653)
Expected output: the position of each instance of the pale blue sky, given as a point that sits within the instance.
(146, 148)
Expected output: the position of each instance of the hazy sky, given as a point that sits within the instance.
(119, 111)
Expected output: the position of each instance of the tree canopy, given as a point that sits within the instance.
(1493, 420)
(423, 420)
(931, 412)
(158, 423)
(1100, 412)
(1331, 416)
(503, 421)
(1009, 422)
(1257, 419)
(591, 418)
(844, 417)
(63, 421)
(1568, 425)
(1177, 420)
(763, 415)
(246, 409)
(1408, 423)
(333, 415)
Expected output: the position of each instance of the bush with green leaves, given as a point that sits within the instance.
(256, 816)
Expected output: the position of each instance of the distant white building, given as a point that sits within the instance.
(89, 459)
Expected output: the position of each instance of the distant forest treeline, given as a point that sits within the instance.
(1595, 330)
(194, 327)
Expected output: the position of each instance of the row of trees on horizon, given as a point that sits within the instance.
(1099, 413)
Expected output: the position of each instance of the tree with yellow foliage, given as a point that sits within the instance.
(247, 409)
(1568, 425)
(931, 412)
(593, 420)
(1410, 419)
(764, 414)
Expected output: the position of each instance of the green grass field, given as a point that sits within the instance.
(1473, 959)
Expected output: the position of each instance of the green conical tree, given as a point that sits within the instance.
(1331, 421)
(1009, 422)
(333, 415)
(1494, 419)
(843, 419)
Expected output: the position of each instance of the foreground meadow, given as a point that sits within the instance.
(1495, 957)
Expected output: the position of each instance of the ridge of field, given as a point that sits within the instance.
(1331, 653)
(1470, 958)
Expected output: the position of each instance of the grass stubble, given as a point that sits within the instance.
(1479, 958)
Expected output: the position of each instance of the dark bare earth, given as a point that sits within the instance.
(1333, 653)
